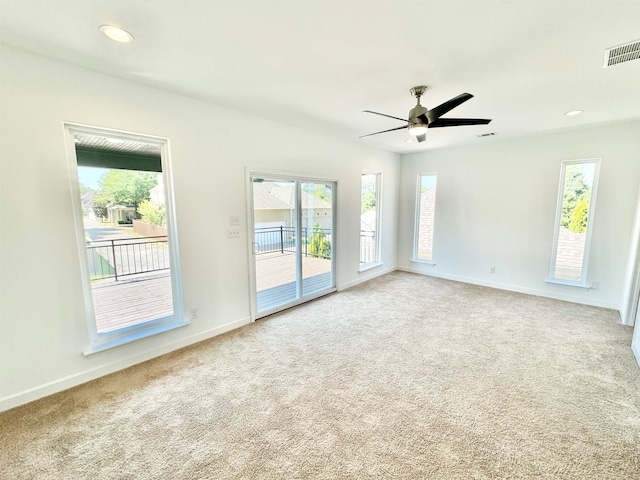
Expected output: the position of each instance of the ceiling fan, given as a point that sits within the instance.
(420, 118)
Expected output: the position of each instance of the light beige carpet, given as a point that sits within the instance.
(405, 377)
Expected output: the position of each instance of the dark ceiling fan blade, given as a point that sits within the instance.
(440, 110)
(385, 115)
(421, 138)
(455, 122)
(383, 131)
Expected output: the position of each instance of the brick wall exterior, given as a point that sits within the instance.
(570, 249)
(427, 216)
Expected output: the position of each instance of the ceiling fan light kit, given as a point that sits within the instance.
(421, 118)
(416, 129)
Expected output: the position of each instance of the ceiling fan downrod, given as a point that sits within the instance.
(418, 92)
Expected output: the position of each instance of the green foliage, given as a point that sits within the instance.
(152, 212)
(320, 245)
(100, 210)
(125, 187)
(368, 202)
(368, 198)
(575, 190)
(578, 223)
(321, 191)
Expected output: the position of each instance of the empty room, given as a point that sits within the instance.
(319, 239)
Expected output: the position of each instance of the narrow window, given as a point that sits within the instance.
(127, 236)
(574, 219)
(425, 217)
(370, 220)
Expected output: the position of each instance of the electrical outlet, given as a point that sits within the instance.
(234, 220)
(233, 233)
(492, 270)
(194, 313)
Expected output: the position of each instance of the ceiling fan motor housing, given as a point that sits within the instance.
(415, 113)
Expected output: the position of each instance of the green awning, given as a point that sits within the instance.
(92, 157)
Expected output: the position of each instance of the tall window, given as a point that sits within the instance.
(574, 219)
(370, 220)
(425, 218)
(127, 236)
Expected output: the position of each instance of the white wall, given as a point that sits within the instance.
(635, 341)
(43, 327)
(496, 206)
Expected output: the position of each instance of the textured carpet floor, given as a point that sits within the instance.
(405, 376)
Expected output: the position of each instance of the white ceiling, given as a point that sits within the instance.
(318, 64)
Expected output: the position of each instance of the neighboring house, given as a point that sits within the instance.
(87, 203)
(570, 254)
(121, 213)
(426, 223)
(156, 194)
(273, 205)
(368, 221)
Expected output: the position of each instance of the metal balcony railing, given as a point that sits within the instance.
(367, 246)
(282, 239)
(121, 257)
(316, 242)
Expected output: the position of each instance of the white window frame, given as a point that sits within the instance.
(416, 225)
(99, 342)
(556, 231)
(378, 243)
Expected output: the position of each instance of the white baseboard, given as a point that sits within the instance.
(516, 288)
(91, 374)
(636, 351)
(365, 276)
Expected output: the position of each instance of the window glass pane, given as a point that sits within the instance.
(127, 246)
(369, 218)
(577, 194)
(426, 217)
(123, 204)
(275, 223)
(317, 236)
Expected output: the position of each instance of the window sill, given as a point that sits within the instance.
(425, 262)
(133, 337)
(368, 266)
(567, 283)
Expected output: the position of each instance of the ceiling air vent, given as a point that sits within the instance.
(622, 53)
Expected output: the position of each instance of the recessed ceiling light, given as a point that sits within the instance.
(409, 140)
(116, 33)
(574, 112)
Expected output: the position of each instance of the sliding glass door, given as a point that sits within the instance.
(293, 241)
